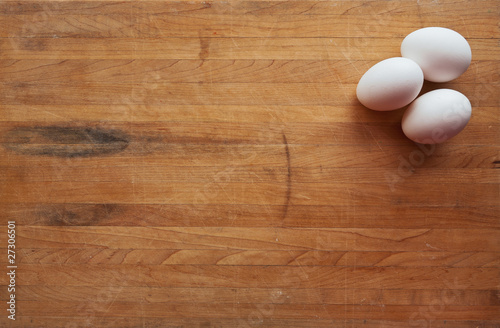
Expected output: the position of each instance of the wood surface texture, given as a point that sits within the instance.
(207, 164)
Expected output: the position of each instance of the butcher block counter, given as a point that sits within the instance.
(207, 164)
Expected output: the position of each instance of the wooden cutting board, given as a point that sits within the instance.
(207, 164)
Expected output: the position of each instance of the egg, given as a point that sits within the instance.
(436, 116)
(390, 84)
(443, 54)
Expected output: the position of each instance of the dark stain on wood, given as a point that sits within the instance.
(76, 214)
(32, 44)
(289, 177)
(65, 141)
(204, 46)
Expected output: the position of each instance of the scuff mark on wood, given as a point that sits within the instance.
(59, 141)
(289, 177)
(204, 46)
(75, 214)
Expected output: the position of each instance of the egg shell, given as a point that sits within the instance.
(443, 54)
(436, 116)
(390, 84)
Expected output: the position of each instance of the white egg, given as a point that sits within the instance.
(443, 54)
(390, 84)
(436, 116)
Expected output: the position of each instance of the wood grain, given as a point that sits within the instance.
(291, 48)
(207, 164)
(198, 71)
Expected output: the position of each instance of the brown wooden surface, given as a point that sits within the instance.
(207, 164)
